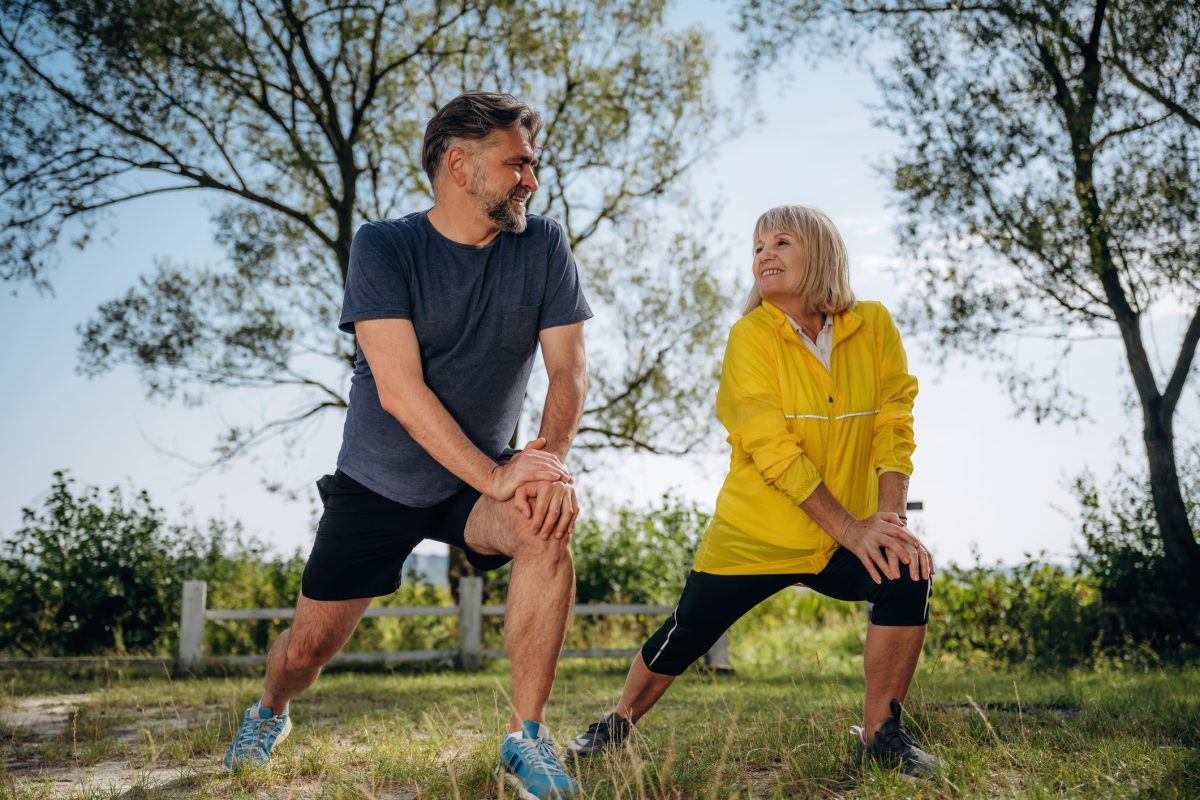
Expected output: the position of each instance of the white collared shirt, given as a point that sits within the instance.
(822, 348)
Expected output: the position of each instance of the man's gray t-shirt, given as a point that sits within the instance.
(477, 312)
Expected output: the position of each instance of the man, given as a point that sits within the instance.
(449, 306)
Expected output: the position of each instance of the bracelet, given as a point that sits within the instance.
(901, 516)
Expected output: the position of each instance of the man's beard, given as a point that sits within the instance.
(500, 209)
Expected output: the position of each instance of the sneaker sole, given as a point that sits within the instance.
(611, 746)
(920, 776)
(515, 782)
(518, 787)
(580, 752)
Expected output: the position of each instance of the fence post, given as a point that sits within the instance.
(191, 623)
(717, 658)
(470, 622)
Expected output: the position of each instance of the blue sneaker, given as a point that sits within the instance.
(260, 732)
(532, 766)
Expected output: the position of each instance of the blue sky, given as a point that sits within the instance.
(989, 481)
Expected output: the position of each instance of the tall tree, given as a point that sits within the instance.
(1049, 185)
(303, 119)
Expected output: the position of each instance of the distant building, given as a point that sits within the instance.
(427, 567)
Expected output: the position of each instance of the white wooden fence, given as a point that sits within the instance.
(470, 612)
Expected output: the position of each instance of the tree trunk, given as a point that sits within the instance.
(1180, 548)
(1181, 551)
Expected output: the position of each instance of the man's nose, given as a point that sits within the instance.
(529, 179)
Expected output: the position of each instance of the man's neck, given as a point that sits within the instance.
(462, 222)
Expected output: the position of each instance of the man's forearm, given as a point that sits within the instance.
(563, 409)
(893, 492)
(431, 426)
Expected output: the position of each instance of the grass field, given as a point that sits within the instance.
(778, 729)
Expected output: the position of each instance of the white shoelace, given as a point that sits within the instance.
(256, 735)
(541, 753)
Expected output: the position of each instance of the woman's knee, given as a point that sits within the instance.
(902, 601)
(677, 645)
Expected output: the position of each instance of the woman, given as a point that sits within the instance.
(818, 403)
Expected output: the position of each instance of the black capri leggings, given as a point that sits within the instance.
(711, 603)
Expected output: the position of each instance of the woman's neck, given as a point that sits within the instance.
(807, 318)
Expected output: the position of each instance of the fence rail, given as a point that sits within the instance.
(470, 612)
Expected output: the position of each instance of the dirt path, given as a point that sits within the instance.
(59, 747)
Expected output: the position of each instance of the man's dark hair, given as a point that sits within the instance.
(473, 116)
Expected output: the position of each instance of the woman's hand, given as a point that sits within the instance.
(882, 544)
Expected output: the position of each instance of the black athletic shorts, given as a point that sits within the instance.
(711, 603)
(363, 539)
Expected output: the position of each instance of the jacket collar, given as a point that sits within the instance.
(844, 324)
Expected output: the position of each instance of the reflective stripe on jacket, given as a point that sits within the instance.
(792, 425)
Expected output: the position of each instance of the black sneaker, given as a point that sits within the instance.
(893, 747)
(608, 732)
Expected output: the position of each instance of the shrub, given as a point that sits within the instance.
(1123, 552)
(622, 555)
(93, 573)
(1035, 613)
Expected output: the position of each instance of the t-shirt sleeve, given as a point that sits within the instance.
(377, 282)
(564, 303)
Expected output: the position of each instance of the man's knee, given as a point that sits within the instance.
(529, 546)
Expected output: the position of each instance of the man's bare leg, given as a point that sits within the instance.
(643, 688)
(889, 661)
(541, 593)
(319, 630)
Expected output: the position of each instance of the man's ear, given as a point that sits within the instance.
(459, 164)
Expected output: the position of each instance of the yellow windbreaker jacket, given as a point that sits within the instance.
(792, 425)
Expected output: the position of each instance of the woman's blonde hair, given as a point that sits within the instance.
(826, 282)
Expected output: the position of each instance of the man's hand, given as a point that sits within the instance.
(882, 543)
(531, 464)
(552, 505)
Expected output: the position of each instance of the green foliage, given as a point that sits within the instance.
(1036, 613)
(799, 626)
(302, 122)
(1114, 605)
(637, 555)
(92, 572)
(1123, 551)
(623, 555)
(89, 574)
(1047, 187)
(84, 576)
(389, 634)
(240, 574)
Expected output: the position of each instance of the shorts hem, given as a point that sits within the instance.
(353, 594)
